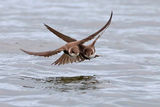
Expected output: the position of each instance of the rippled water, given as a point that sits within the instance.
(126, 75)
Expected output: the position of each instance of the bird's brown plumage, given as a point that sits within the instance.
(67, 58)
(69, 39)
(45, 54)
(82, 47)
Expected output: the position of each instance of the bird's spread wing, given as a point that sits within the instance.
(93, 43)
(60, 35)
(96, 33)
(65, 59)
(45, 54)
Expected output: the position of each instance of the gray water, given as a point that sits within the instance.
(126, 75)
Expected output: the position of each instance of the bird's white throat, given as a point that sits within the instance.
(92, 56)
(73, 55)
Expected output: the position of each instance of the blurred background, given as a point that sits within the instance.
(126, 75)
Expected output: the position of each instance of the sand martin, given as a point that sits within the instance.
(74, 50)
(87, 52)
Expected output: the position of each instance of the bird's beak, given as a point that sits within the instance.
(97, 56)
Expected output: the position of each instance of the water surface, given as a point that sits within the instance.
(127, 74)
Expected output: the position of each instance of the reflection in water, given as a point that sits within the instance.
(62, 83)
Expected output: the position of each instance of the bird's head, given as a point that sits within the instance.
(89, 52)
(74, 51)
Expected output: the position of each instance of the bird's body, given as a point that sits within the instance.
(74, 50)
(86, 51)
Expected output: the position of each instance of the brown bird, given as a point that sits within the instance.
(88, 52)
(81, 57)
(73, 50)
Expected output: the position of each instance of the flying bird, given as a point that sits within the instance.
(64, 59)
(87, 52)
(74, 50)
